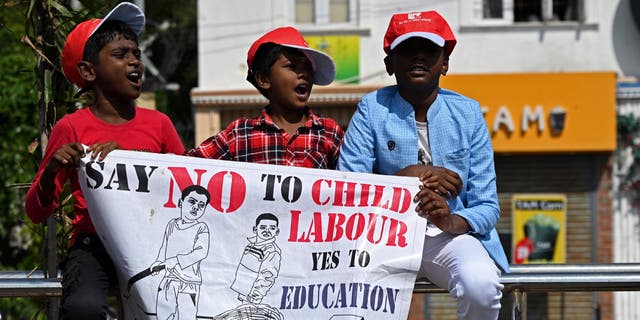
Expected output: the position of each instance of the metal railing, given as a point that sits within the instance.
(522, 280)
(29, 284)
(525, 279)
(562, 277)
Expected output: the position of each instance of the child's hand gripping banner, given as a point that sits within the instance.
(206, 239)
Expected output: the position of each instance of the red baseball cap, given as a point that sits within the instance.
(73, 49)
(324, 70)
(429, 25)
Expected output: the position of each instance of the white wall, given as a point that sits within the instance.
(226, 29)
(626, 218)
(608, 40)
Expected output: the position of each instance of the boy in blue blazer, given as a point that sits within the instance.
(416, 128)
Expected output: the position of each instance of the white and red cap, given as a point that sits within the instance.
(324, 70)
(429, 25)
(73, 49)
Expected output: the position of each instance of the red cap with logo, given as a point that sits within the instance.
(73, 49)
(429, 25)
(324, 70)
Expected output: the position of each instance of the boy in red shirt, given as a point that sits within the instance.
(283, 68)
(100, 55)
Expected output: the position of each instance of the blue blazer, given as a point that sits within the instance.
(382, 138)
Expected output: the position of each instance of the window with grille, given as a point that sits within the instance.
(325, 12)
(526, 11)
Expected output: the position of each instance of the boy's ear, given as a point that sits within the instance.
(87, 71)
(445, 66)
(263, 81)
(387, 64)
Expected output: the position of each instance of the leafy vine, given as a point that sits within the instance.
(629, 149)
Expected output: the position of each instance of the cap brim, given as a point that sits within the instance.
(324, 70)
(128, 13)
(438, 40)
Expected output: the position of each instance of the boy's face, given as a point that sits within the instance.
(289, 82)
(119, 72)
(417, 64)
(193, 206)
(266, 229)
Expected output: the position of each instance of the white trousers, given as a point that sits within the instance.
(462, 265)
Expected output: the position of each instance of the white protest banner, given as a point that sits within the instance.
(205, 239)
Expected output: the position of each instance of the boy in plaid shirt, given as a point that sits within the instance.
(283, 68)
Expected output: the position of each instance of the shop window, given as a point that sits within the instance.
(325, 12)
(545, 10)
(525, 11)
(492, 9)
(305, 11)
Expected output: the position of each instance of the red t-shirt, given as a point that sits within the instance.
(148, 131)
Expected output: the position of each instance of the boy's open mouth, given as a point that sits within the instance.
(134, 77)
(302, 89)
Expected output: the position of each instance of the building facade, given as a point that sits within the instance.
(551, 76)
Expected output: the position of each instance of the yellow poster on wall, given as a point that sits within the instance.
(345, 52)
(539, 228)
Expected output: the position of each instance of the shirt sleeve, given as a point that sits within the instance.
(162, 252)
(269, 270)
(172, 142)
(200, 248)
(215, 147)
(481, 210)
(337, 136)
(357, 150)
(36, 210)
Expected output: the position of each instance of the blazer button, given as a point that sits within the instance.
(391, 145)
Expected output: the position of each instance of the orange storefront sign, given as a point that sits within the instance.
(544, 112)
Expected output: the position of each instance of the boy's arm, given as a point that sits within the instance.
(215, 147)
(172, 142)
(435, 208)
(336, 136)
(101, 150)
(200, 248)
(162, 252)
(438, 183)
(269, 270)
(162, 259)
(40, 202)
(481, 210)
(439, 179)
(357, 150)
(53, 173)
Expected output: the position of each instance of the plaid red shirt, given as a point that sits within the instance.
(260, 140)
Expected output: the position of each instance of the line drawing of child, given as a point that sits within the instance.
(179, 289)
(260, 262)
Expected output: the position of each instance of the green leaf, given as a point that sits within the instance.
(61, 9)
(47, 86)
